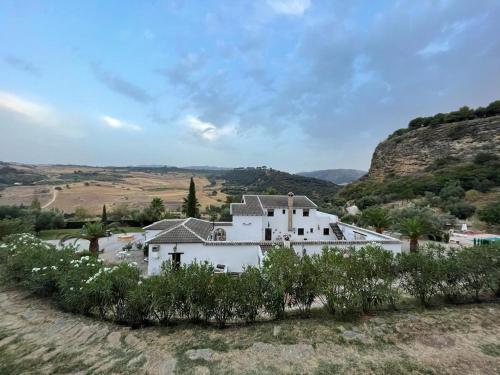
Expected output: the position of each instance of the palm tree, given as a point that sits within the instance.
(376, 217)
(92, 232)
(413, 228)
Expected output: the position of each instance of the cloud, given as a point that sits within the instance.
(119, 124)
(17, 111)
(121, 86)
(22, 65)
(207, 130)
(290, 7)
(31, 111)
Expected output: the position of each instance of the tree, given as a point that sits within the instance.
(81, 213)
(191, 206)
(491, 214)
(413, 228)
(461, 209)
(35, 205)
(156, 209)
(104, 215)
(376, 217)
(92, 232)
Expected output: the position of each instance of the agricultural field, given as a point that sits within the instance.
(68, 187)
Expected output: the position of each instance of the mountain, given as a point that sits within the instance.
(414, 151)
(337, 176)
(442, 159)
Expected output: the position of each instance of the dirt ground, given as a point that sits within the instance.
(36, 338)
(136, 190)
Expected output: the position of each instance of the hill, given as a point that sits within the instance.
(337, 176)
(452, 166)
(262, 180)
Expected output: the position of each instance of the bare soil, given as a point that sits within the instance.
(37, 338)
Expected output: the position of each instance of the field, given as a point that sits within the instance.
(68, 187)
(35, 337)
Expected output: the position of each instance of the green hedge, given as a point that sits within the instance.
(345, 281)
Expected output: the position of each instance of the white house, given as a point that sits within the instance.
(259, 222)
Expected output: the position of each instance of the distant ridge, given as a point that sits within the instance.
(338, 176)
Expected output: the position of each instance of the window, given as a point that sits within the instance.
(311, 230)
(326, 231)
(270, 212)
(294, 211)
(305, 212)
(284, 212)
(176, 260)
(300, 231)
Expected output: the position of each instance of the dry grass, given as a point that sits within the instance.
(136, 190)
(35, 336)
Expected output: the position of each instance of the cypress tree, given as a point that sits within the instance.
(104, 216)
(191, 202)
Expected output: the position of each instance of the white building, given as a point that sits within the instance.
(259, 222)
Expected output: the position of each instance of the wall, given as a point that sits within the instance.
(234, 257)
(315, 221)
(245, 228)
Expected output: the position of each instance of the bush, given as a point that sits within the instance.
(279, 274)
(163, 297)
(224, 294)
(462, 210)
(419, 274)
(250, 294)
(138, 303)
(491, 214)
(339, 289)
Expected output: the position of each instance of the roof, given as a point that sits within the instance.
(254, 205)
(273, 201)
(249, 207)
(188, 230)
(164, 224)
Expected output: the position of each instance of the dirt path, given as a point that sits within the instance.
(54, 196)
(36, 338)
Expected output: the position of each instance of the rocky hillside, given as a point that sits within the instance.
(337, 176)
(418, 149)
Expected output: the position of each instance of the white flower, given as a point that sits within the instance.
(139, 282)
(71, 288)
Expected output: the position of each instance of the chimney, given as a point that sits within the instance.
(290, 211)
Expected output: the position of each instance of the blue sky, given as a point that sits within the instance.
(292, 84)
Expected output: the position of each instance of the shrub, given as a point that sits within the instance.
(163, 297)
(461, 209)
(338, 286)
(138, 303)
(420, 273)
(279, 274)
(479, 267)
(224, 293)
(491, 214)
(250, 292)
(305, 283)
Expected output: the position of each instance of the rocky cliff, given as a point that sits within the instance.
(415, 150)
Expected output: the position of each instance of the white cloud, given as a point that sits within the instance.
(207, 130)
(119, 124)
(290, 7)
(32, 111)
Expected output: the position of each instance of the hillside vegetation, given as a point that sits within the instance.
(337, 176)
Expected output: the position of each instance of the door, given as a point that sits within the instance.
(268, 234)
(176, 260)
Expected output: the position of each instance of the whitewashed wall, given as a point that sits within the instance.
(245, 228)
(234, 257)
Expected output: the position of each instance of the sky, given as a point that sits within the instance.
(296, 85)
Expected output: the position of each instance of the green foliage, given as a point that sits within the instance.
(420, 274)
(13, 226)
(279, 274)
(81, 213)
(377, 217)
(191, 206)
(104, 215)
(461, 209)
(347, 281)
(250, 294)
(491, 214)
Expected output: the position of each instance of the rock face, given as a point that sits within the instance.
(412, 152)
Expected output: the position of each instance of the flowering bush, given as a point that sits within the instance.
(250, 294)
